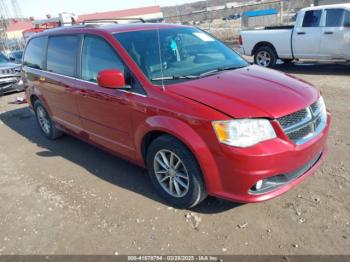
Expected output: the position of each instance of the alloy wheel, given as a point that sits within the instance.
(171, 173)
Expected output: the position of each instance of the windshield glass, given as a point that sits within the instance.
(183, 53)
(3, 58)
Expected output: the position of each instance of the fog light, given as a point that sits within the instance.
(258, 185)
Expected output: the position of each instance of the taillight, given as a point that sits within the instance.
(240, 40)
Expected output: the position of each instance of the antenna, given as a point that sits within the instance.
(160, 57)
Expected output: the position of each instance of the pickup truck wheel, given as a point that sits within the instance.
(45, 123)
(265, 56)
(175, 172)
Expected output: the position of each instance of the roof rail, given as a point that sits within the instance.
(112, 20)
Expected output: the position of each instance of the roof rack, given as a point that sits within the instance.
(112, 20)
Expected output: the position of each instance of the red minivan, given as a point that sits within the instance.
(177, 101)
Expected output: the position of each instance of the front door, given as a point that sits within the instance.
(306, 38)
(105, 113)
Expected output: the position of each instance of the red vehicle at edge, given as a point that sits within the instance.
(180, 103)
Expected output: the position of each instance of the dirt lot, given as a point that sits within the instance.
(67, 197)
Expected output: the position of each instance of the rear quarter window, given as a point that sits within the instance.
(35, 53)
(62, 55)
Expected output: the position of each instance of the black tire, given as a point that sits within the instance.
(52, 133)
(196, 192)
(269, 53)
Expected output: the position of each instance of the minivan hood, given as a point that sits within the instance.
(249, 92)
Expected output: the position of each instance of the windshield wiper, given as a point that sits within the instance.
(220, 69)
(174, 78)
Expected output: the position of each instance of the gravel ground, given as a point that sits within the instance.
(67, 197)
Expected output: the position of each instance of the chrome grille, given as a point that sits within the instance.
(292, 119)
(304, 125)
(302, 132)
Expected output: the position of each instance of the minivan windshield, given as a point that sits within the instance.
(178, 54)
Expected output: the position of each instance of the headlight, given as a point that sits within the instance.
(243, 132)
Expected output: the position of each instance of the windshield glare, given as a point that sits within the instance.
(180, 52)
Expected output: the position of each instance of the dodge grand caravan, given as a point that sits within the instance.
(180, 103)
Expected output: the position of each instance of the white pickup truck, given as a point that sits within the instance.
(321, 33)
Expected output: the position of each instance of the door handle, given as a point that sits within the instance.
(301, 33)
(328, 33)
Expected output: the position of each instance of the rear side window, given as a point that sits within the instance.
(312, 18)
(334, 17)
(98, 55)
(347, 19)
(62, 55)
(35, 53)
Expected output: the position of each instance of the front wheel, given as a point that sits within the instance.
(175, 172)
(265, 56)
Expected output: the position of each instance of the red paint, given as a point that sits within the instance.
(111, 79)
(118, 121)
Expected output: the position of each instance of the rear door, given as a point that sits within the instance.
(105, 113)
(307, 35)
(59, 80)
(335, 39)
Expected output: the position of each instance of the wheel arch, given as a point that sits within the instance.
(162, 125)
(262, 44)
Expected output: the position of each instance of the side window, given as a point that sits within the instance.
(98, 55)
(312, 18)
(347, 19)
(35, 53)
(62, 54)
(334, 17)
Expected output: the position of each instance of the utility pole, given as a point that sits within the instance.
(17, 12)
(4, 20)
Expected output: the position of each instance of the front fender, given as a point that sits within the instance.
(187, 135)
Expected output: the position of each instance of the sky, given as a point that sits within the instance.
(40, 8)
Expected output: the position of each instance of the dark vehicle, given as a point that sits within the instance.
(16, 56)
(10, 76)
(232, 17)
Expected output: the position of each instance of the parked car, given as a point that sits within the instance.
(10, 76)
(180, 103)
(16, 56)
(320, 32)
(232, 17)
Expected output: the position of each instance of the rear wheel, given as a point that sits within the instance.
(45, 123)
(265, 56)
(175, 172)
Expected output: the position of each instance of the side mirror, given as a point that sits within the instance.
(112, 79)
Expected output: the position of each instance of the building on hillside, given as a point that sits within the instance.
(330, 2)
(259, 18)
(15, 29)
(14, 35)
(149, 14)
